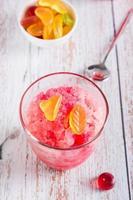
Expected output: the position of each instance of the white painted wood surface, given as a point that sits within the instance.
(22, 175)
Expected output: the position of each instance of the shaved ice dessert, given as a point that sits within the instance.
(62, 124)
(58, 132)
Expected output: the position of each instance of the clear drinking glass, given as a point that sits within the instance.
(58, 158)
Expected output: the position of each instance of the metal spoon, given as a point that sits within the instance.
(100, 72)
(11, 136)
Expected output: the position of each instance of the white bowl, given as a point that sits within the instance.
(48, 43)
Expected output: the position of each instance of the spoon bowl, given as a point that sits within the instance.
(98, 72)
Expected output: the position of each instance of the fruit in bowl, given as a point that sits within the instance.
(48, 19)
(63, 114)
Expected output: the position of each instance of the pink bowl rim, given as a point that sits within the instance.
(57, 148)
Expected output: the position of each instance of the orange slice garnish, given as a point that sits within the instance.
(50, 107)
(45, 15)
(77, 119)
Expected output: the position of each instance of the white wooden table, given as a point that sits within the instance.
(22, 175)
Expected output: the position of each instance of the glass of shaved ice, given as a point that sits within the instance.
(63, 115)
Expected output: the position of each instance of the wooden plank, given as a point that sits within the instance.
(125, 62)
(22, 176)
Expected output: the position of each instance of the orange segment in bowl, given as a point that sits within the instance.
(56, 5)
(60, 7)
(48, 35)
(47, 32)
(27, 21)
(58, 26)
(45, 15)
(68, 20)
(47, 3)
(35, 29)
(51, 36)
(77, 119)
(66, 29)
(50, 107)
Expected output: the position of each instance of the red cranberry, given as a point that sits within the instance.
(80, 139)
(106, 181)
(98, 76)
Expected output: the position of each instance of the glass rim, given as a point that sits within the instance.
(58, 148)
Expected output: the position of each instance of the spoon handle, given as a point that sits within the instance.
(1, 146)
(118, 33)
(11, 136)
